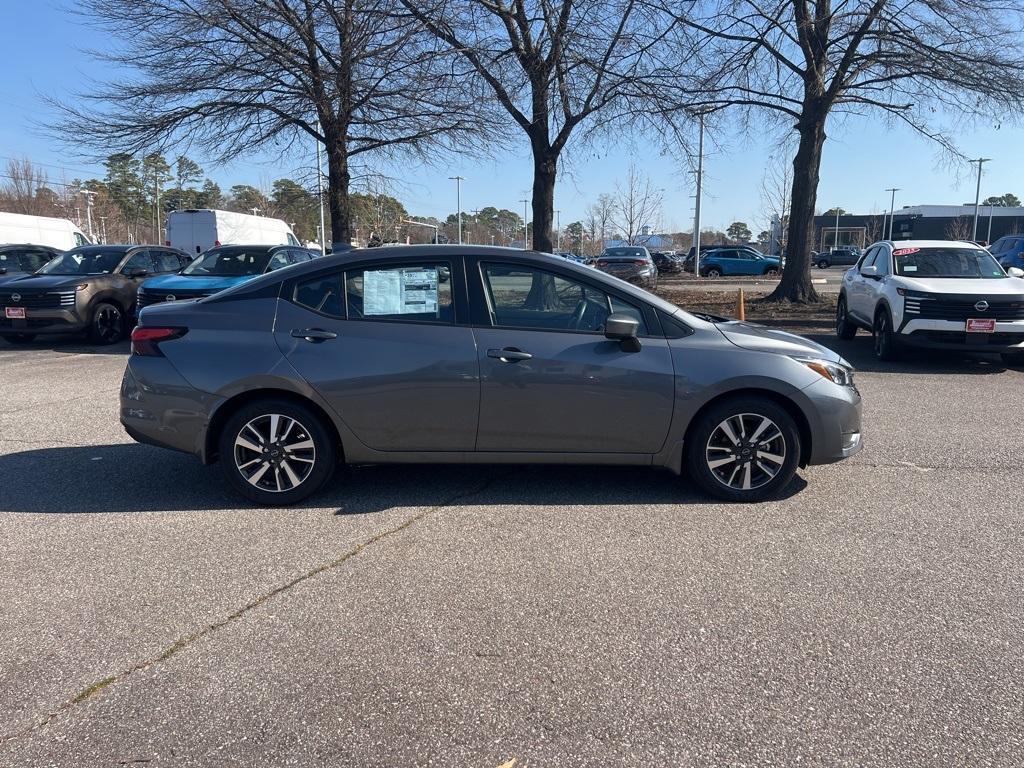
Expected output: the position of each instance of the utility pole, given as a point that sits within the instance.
(89, 195)
(103, 229)
(255, 211)
(835, 242)
(476, 216)
(696, 210)
(977, 194)
(458, 200)
(526, 225)
(892, 209)
(320, 193)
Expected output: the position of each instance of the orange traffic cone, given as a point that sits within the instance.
(741, 306)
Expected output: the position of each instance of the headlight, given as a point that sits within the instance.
(81, 286)
(834, 372)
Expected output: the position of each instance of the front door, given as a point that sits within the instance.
(382, 345)
(549, 379)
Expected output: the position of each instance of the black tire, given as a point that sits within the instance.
(106, 325)
(823, 264)
(321, 459)
(771, 272)
(887, 346)
(713, 272)
(20, 338)
(1013, 359)
(702, 443)
(845, 329)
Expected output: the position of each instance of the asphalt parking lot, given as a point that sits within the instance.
(476, 616)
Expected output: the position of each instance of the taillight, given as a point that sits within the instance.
(146, 341)
(641, 262)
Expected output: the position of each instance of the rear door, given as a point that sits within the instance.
(387, 345)
(549, 379)
(859, 295)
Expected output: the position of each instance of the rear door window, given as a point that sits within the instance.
(278, 260)
(408, 293)
(321, 294)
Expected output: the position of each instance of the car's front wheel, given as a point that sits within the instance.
(886, 344)
(844, 328)
(107, 324)
(744, 449)
(771, 272)
(275, 452)
(823, 264)
(713, 272)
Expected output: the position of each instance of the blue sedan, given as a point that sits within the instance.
(738, 261)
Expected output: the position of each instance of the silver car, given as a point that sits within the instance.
(470, 354)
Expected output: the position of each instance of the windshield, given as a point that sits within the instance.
(946, 262)
(229, 262)
(84, 262)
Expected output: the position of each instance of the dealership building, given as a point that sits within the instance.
(919, 222)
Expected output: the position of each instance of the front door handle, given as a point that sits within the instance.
(509, 354)
(314, 335)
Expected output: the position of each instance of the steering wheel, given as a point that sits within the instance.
(578, 314)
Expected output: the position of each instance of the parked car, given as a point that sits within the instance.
(666, 263)
(221, 268)
(935, 294)
(630, 263)
(726, 262)
(196, 230)
(90, 289)
(840, 256)
(371, 357)
(707, 250)
(1009, 251)
(21, 260)
(40, 230)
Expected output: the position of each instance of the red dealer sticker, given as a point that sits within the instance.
(905, 251)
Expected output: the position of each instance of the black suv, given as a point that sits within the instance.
(840, 256)
(92, 289)
(20, 260)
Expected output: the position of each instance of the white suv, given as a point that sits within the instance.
(933, 293)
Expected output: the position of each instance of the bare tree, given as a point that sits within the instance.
(805, 60)
(636, 207)
(231, 76)
(599, 218)
(557, 68)
(22, 190)
(960, 228)
(776, 188)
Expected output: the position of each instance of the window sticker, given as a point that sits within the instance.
(910, 267)
(905, 251)
(400, 291)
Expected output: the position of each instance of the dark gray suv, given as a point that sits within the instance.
(483, 355)
(92, 289)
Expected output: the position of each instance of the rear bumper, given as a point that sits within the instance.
(836, 423)
(949, 334)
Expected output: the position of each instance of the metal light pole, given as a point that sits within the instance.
(836, 240)
(320, 194)
(526, 225)
(103, 229)
(892, 209)
(696, 212)
(977, 194)
(458, 200)
(988, 238)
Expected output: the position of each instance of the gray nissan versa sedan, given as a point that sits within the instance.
(477, 355)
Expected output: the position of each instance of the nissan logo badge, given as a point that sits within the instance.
(981, 306)
(171, 297)
(15, 297)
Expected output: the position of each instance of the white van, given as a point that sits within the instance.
(194, 231)
(20, 229)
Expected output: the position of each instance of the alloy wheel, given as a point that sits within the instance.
(107, 323)
(274, 453)
(746, 451)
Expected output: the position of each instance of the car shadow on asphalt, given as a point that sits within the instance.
(71, 345)
(130, 477)
(859, 351)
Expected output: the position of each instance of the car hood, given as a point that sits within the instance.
(1002, 286)
(761, 338)
(8, 277)
(48, 282)
(206, 283)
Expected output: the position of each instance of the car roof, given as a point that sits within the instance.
(928, 244)
(21, 246)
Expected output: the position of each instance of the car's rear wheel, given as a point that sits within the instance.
(713, 272)
(20, 338)
(823, 264)
(886, 344)
(744, 449)
(107, 324)
(844, 328)
(275, 452)
(771, 272)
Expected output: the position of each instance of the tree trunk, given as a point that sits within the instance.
(795, 284)
(545, 166)
(338, 180)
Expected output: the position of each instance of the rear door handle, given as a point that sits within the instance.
(509, 354)
(314, 335)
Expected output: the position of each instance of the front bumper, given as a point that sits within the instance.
(951, 334)
(835, 422)
(45, 321)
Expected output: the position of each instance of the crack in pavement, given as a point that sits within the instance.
(95, 688)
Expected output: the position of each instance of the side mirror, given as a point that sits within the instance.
(136, 272)
(622, 328)
(1015, 272)
(871, 271)
(3, 270)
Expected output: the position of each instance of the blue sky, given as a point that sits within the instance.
(862, 157)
